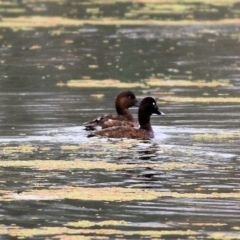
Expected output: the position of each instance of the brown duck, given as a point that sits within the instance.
(123, 117)
(148, 106)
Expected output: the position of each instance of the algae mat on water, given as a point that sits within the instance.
(212, 2)
(67, 233)
(115, 194)
(157, 82)
(90, 165)
(81, 231)
(207, 137)
(151, 82)
(202, 99)
(37, 21)
(112, 83)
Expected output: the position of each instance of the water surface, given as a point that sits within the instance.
(58, 184)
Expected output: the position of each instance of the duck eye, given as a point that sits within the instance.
(129, 96)
(154, 103)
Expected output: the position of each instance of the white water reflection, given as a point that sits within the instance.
(176, 139)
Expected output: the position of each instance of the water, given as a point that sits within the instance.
(58, 184)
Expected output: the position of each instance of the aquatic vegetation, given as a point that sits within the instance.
(73, 233)
(97, 95)
(216, 137)
(185, 83)
(112, 83)
(35, 47)
(19, 149)
(151, 82)
(106, 194)
(70, 147)
(87, 165)
(64, 232)
(203, 99)
(150, 8)
(91, 189)
(224, 235)
(116, 194)
(218, 224)
(37, 21)
(172, 2)
(87, 224)
(12, 10)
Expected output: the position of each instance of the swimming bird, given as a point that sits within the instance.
(123, 117)
(147, 107)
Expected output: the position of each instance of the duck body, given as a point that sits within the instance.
(148, 106)
(123, 132)
(123, 117)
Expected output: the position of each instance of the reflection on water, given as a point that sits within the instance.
(193, 159)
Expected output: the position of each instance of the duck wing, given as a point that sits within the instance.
(122, 132)
(105, 121)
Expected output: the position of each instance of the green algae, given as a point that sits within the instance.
(111, 194)
(224, 235)
(87, 224)
(207, 137)
(19, 149)
(87, 165)
(70, 147)
(79, 233)
(50, 22)
(12, 10)
(112, 83)
(151, 82)
(202, 99)
(172, 2)
(155, 82)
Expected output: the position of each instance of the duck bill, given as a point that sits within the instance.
(137, 103)
(160, 112)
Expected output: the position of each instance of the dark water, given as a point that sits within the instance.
(40, 120)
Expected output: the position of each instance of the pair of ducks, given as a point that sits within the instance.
(123, 124)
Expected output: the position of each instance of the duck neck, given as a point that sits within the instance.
(125, 113)
(144, 122)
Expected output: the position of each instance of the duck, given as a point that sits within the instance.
(148, 106)
(123, 117)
